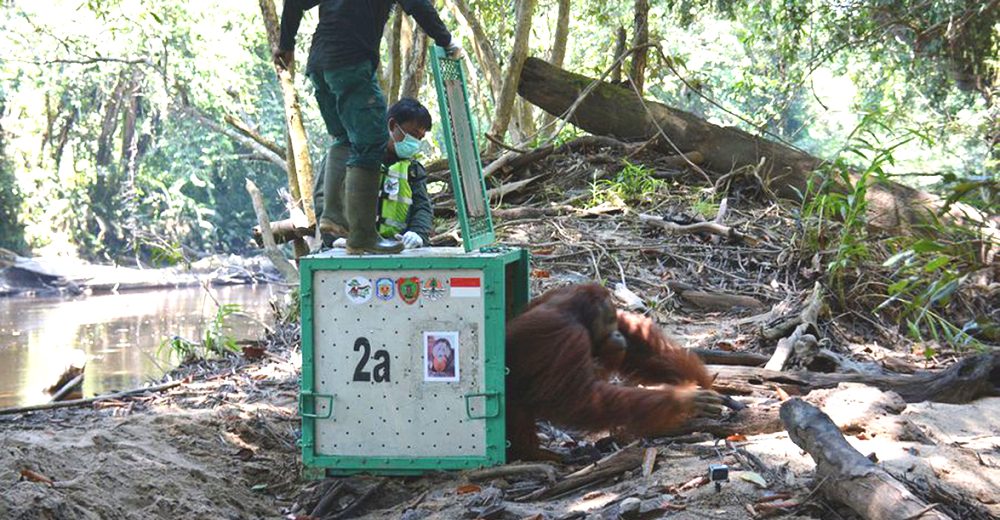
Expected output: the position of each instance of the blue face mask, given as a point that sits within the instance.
(408, 147)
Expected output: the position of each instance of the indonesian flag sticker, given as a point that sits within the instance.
(466, 288)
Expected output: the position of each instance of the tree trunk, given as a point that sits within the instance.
(640, 37)
(300, 176)
(109, 125)
(848, 477)
(416, 64)
(613, 111)
(557, 55)
(485, 53)
(505, 104)
(394, 69)
(129, 140)
(616, 71)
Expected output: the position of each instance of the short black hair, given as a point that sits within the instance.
(409, 109)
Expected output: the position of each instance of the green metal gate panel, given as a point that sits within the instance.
(463, 151)
(379, 391)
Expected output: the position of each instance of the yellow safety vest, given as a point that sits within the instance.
(395, 199)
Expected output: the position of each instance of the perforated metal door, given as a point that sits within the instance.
(374, 354)
(468, 185)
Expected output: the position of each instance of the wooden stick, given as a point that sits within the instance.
(67, 387)
(698, 227)
(786, 345)
(245, 129)
(513, 470)
(89, 400)
(287, 270)
(849, 477)
(616, 464)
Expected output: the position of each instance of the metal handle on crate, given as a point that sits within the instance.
(304, 396)
(487, 414)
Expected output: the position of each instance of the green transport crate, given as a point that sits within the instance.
(403, 355)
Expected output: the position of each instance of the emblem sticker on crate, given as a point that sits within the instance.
(466, 287)
(358, 289)
(441, 355)
(385, 289)
(409, 289)
(433, 289)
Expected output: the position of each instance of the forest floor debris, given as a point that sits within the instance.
(223, 443)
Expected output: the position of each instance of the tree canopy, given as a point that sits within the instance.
(119, 118)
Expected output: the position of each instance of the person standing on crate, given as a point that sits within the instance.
(343, 66)
(405, 210)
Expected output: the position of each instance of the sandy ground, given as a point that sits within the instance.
(226, 448)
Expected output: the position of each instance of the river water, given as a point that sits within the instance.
(118, 335)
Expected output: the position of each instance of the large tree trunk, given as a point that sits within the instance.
(640, 37)
(416, 63)
(613, 111)
(505, 104)
(557, 55)
(300, 173)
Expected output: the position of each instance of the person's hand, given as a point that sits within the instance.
(411, 240)
(284, 59)
(454, 50)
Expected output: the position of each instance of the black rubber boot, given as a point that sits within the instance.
(362, 203)
(332, 220)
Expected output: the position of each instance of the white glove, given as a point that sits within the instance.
(411, 240)
(340, 243)
(454, 50)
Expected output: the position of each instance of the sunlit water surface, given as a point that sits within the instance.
(118, 335)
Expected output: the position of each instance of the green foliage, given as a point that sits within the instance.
(11, 228)
(834, 212)
(214, 341)
(633, 183)
(927, 274)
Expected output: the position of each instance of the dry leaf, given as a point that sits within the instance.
(753, 477)
(540, 273)
(737, 437)
(35, 477)
(468, 488)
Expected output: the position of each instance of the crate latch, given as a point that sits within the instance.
(305, 398)
(489, 412)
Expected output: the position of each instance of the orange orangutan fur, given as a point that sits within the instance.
(560, 361)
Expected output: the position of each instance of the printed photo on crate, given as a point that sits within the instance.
(441, 351)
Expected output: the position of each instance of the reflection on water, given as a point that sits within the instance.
(117, 334)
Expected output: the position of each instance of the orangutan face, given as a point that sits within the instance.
(440, 355)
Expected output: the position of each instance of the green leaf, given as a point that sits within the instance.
(937, 263)
(894, 259)
(926, 245)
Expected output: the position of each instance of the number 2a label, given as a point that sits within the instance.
(381, 370)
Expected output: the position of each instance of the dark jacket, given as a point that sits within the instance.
(350, 31)
(420, 219)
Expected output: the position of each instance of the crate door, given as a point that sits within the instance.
(401, 356)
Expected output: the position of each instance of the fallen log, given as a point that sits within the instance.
(613, 111)
(724, 357)
(967, 380)
(845, 475)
